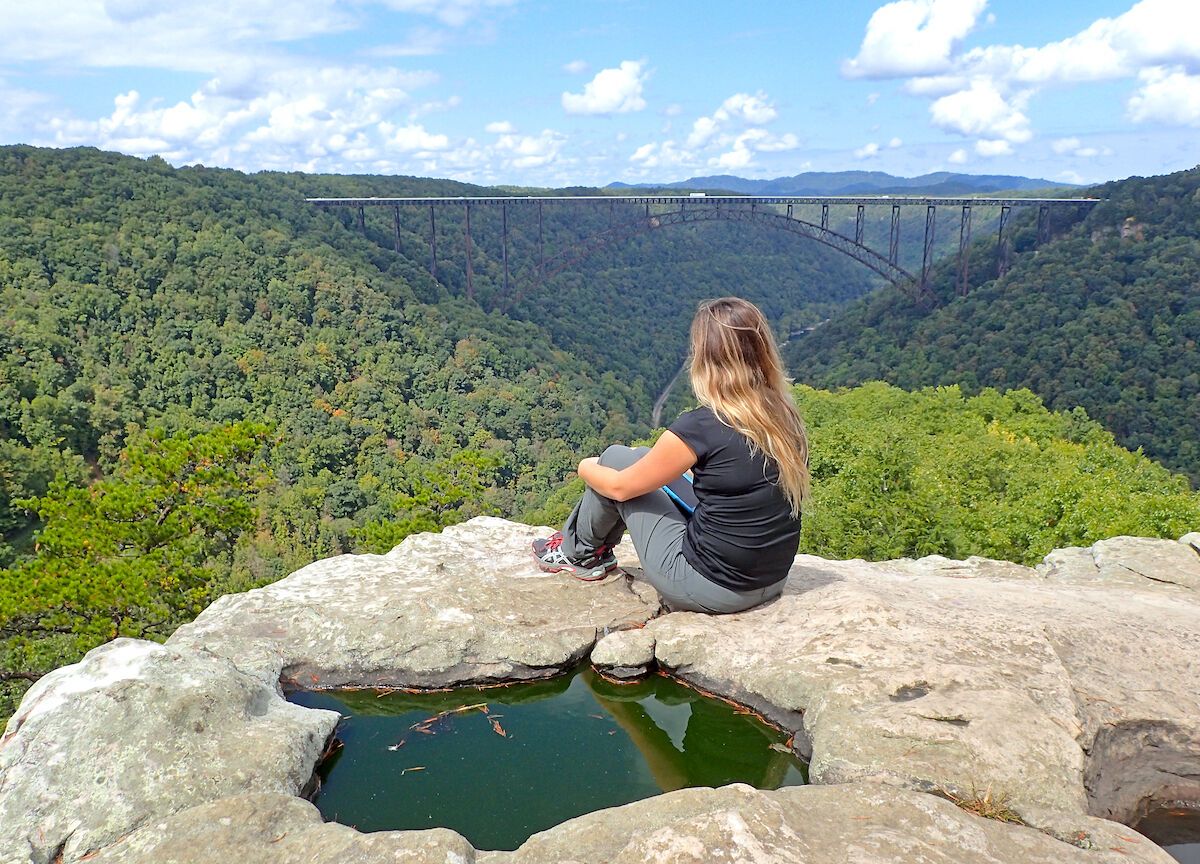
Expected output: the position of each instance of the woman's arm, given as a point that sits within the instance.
(667, 459)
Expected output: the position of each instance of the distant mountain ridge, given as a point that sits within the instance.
(856, 183)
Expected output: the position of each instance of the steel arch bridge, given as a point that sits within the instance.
(644, 213)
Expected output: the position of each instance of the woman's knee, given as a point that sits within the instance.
(619, 456)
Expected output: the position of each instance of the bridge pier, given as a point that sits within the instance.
(432, 244)
(504, 245)
(964, 249)
(927, 258)
(1002, 243)
(470, 271)
(1043, 226)
(396, 228)
(894, 237)
(362, 220)
(858, 225)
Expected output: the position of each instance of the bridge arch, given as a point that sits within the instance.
(690, 213)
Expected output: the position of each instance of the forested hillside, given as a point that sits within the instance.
(1106, 316)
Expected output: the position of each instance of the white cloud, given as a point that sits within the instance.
(292, 117)
(575, 67)
(500, 127)
(161, 35)
(1075, 147)
(872, 98)
(895, 143)
(1065, 145)
(673, 110)
(867, 151)
(454, 13)
(664, 155)
(958, 157)
(983, 110)
(530, 151)
(1166, 95)
(984, 91)
(415, 137)
(740, 109)
(612, 91)
(993, 147)
(741, 152)
(912, 37)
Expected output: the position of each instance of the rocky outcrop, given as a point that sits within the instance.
(866, 823)
(1067, 691)
(947, 675)
(135, 732)
(276, 829)
(465, 605)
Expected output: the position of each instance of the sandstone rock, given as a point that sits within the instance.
(137, 731)
(906, 672)
(1067, 688)
(465, 605)
(865, 823)
(1160, 561)
(277, 829)
(624, 654)
(1192, 539)
(1140, 563)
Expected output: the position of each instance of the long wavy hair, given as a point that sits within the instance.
(736, 371)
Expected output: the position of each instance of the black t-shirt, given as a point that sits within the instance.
(743, 535)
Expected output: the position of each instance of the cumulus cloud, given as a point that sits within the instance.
(983, 110)
(912, 37)
(665, 155)
(984, 92)
(612, 91)
(895, 143)
(958, 157)
(1166, 95)
(867, 151)
(415, 137)
(500, 127)
(741, 151)
(993, 147)
(741, 109)
(728, 139)
(575, 67)
(530, 151)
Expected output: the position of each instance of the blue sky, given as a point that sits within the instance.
(584, 92)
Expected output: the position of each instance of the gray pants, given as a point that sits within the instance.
(657, 528)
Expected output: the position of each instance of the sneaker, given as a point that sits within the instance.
(550, 557)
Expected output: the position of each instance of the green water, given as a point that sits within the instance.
(571, 745)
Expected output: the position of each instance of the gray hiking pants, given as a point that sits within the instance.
(657, 528)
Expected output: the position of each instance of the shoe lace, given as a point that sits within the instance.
(554, 542)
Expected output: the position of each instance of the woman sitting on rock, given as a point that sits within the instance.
(748, 453)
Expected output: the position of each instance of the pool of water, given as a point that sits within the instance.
(1176, 829)
(501, 763)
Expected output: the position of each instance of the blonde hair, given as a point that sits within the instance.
(736, 371)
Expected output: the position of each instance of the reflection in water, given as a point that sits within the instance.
(530, 756)
(1176, 829)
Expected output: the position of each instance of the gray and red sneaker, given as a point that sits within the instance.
(590, 568)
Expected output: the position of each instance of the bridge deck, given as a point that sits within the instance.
(902, 200)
